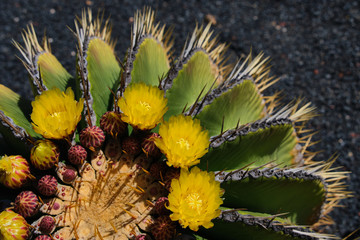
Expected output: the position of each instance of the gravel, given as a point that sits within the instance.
(314, 47)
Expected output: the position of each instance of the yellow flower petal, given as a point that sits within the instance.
(55, 114)
(183, 141)
(195, 199)
(142, 106)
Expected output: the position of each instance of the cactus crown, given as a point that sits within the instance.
(254, 178)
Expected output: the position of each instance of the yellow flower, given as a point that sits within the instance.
(183, 141)
(13, 226)
(56, 114)
(142, 106)
(195, 199)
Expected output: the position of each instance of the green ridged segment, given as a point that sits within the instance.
(17, 109)
(240, 224)
(151, 63)
(53, 74)
(240, 105)
(103, 75)
(299, 199)
(198, 72)
(275, 143)
(240, 230)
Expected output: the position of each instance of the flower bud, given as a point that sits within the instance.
(92, 137)
(112, 124)
(44, 155)
(14, 171)
(26, 204)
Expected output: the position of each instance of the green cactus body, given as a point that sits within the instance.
(254, 176)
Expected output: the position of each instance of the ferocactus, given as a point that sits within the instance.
(156, 148)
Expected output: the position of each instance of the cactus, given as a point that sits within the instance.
(46, 224)
(111, 123)
(14, 171)
(43, 237)
(44, 155)
(77, 155)
(163, 228)
(26, 204)
(193, 147)
(47, 185)
(92, 137)
(13, 226)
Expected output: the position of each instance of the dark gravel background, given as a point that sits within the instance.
(314, 46)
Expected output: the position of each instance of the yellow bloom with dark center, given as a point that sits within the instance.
(142, 106)
(195, 199)
(183, 141)
(55, 113)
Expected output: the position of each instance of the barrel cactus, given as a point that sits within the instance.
(155, 148)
